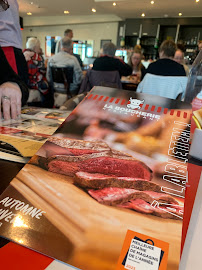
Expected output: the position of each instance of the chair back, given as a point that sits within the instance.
(164, 86)
(60, 80)
(100, 78)
(62, 75)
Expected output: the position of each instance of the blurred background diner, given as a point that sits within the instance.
(37, 82)
(135, 61)
(106, 37)
(165, 77)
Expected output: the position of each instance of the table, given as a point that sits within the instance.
(129, 83)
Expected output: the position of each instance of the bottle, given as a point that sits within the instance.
(122, 43)
(193, 93)
(156, 43)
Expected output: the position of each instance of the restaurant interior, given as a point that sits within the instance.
(132, 132)
(123, 22)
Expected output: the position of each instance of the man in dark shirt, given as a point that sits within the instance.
(165, 77)
(166, 66)
(108, 61)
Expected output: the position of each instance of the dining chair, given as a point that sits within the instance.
(61, 78)
(100, 78)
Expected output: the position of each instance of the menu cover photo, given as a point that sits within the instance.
(117, 163)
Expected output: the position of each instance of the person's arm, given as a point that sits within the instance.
(8, 75)
(78, 72)
(79, 59)
(48, 70)
(124, 69)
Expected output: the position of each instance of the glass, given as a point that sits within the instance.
(194, 85)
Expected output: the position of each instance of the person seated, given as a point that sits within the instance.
(179, 58)
(36, 70)
(68, 33)
(165, 77)
(136, 64)
(65, 59)
(108, 62)
(166, 66)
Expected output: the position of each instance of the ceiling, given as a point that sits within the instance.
(123, 9)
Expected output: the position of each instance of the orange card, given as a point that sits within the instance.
(142, 252)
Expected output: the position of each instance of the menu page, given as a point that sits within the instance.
(106, 191)
(20, 139)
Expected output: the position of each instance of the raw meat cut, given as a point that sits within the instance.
(103, 162)
(99, 181)
(79, 147)
(172, 211)
(114, 196)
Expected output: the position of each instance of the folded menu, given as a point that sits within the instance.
(106, 191)
(20, 139)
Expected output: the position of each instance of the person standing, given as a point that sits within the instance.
(68, 33)
(13, 67)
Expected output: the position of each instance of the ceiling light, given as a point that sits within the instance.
(143, 15)
(180, 14)
(93, 10)
(114, 4)
(29, 13)
(66, 12)
(152, 2)
(32, 3)
(197, 1)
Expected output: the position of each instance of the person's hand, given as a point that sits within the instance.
(10, 100)
(28, 55)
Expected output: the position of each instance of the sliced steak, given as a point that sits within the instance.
(114, 196)
(79, 147)
(99, 181)
(173, 211)
(138, 205)
(103, 162)
(161, 197)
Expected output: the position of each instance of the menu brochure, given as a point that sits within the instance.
(20, 139)
(114, 170)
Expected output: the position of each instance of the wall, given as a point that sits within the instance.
(82, 30)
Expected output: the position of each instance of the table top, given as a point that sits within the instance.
(130, 79)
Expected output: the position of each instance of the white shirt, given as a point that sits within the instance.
(10, 32)
(64, 59)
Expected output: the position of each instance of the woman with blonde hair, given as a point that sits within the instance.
(136, 64)
(37, 72)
